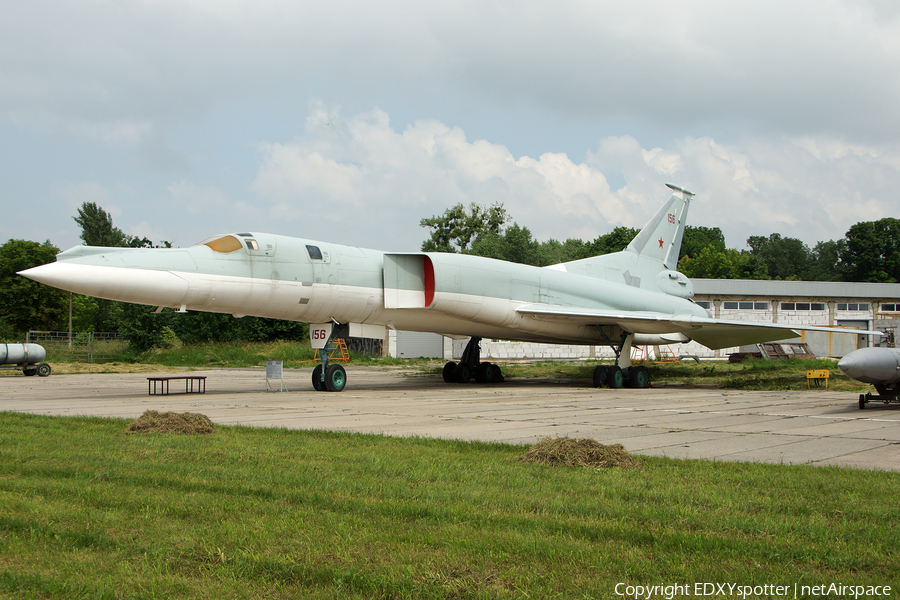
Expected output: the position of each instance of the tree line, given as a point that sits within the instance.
(869, 252)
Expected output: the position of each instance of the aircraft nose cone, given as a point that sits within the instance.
(849, 366)
(870, 365)
(138, 285)
(48, 274)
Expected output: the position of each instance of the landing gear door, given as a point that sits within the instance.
(319, 334)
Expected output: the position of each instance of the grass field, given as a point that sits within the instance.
(89, 511)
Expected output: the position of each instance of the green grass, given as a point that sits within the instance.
(248, 354)
(90, 511)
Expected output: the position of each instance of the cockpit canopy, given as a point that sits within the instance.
(231, 243)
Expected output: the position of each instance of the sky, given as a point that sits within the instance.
(350, 121)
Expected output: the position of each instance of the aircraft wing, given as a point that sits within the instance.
(712, 333)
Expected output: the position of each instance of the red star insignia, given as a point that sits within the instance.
(660, 242)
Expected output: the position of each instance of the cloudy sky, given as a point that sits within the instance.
(349, 121)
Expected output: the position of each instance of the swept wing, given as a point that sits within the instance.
(712, 333)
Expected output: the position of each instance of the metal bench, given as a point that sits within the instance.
(160, 385)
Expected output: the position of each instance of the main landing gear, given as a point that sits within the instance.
(471, 366)
(621, 374)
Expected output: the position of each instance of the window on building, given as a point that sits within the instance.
(893, 307)
(745, 305)
(853, 306)
(704, 304)
(802, 306)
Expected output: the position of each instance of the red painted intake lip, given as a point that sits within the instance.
(429, 280)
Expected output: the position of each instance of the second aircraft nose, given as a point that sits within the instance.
(849, 366)
(870, 365)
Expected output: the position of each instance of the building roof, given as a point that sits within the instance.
(787, 289)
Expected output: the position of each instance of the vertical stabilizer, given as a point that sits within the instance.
(651, 259)
(661, 236)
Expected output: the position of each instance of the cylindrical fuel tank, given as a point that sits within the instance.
(18, 354)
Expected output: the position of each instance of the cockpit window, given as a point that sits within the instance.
(224, 244)
(252, 245)
(314, 252)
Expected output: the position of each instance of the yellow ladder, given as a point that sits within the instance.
(339, 352)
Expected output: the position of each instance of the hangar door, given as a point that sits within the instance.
(412, 344)
(862, 340)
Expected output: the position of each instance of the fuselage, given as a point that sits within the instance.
(879, 366)
(296, 279)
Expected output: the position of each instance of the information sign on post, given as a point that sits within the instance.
(275, 370)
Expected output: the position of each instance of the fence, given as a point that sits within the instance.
(80, 347)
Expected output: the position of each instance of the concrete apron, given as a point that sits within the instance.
(815, 427)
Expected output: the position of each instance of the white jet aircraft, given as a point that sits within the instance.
(631, 297)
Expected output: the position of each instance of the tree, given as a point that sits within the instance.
(824, 264)
(456, 229)
(871, 251)
(141, 325)
(514, 244)
(723, 264)
(97, 228)
(697, 238)
(27, 304)
(614, 241)
(785, 258)
(555, 252)
(199, 327)
(84, 313)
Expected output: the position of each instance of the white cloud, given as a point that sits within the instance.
(359, 172)
(804, 67)
(781, 116)
(779, 185)
(360, 169)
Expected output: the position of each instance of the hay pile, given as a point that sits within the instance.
(570, 452)
(170, 422)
